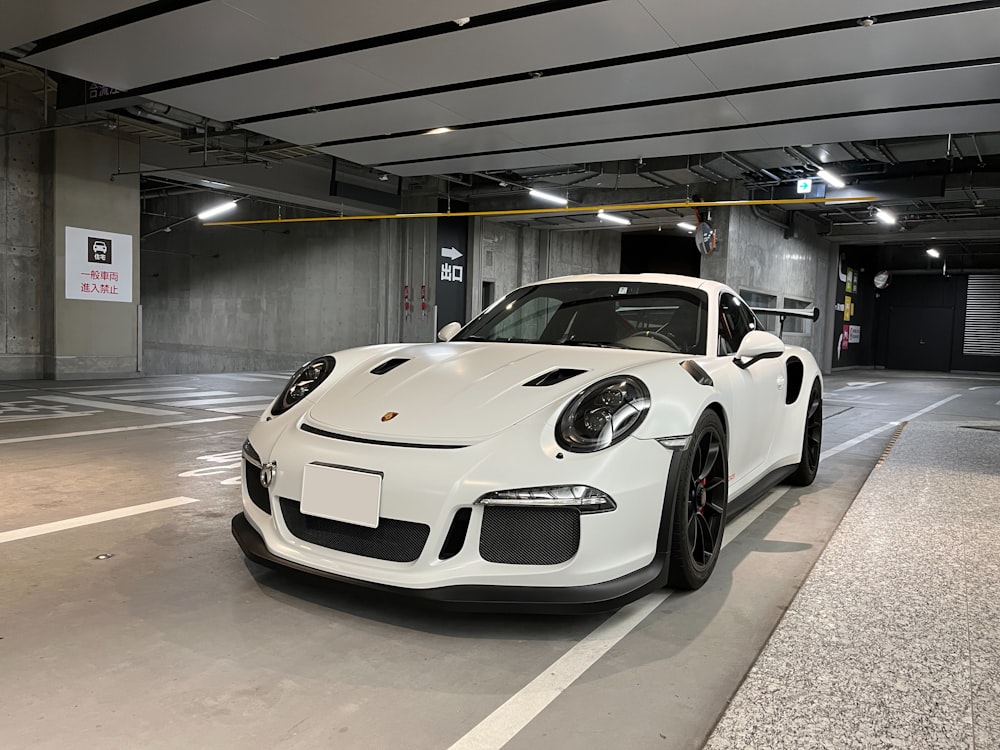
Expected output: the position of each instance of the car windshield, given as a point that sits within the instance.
(615, 314)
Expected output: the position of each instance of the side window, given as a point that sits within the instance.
(735, 321)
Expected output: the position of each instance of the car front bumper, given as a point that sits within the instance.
(598, 597)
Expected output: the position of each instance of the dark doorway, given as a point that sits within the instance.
(919, 338)
(660, 252)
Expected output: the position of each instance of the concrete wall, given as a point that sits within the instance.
(94, 338)
(224, 299)
(511, 256)
(754, 254)
(25, 244)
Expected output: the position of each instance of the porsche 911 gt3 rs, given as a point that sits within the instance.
(575, 446)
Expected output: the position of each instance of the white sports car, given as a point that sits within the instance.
(578, 444)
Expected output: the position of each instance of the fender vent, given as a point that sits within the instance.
(553, 377)
(693, 369)
(389, 364)
(795, 371)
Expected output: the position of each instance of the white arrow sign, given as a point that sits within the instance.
(451, 253)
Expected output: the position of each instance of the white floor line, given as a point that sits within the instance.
(108, 515)
(158, 396)
(248, 409)
(109, 430)
(106, 405)
(203, 402)
(247, 378)
(280, 376)
(145, 389)
(497, 729)
(887, 426)
(38, 417)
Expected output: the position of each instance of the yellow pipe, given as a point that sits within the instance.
(549, 211)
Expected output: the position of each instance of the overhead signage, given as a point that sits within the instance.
(98, 265)
(804, 186)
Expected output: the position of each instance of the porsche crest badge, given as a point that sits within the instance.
(389, 415)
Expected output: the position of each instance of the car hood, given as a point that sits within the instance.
(460, 392)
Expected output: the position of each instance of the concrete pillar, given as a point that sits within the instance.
(25, 243)
(94, 337)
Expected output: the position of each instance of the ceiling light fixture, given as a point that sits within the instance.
(933, 252)
(830, 178)
(885, 216)
(208, 213)
(438, 131)
(686, 226)
(549, 197)
(612, 218)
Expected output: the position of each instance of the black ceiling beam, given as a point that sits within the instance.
(695, 131)
(739, 41)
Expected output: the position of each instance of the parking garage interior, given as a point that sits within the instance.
(380, 166)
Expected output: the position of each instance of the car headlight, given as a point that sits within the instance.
(305, 380)
(603, 414)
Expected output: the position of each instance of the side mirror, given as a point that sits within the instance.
(448, 332)
(758, 345)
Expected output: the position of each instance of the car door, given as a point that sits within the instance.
(757, 396)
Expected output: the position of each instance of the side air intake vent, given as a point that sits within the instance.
(389, 364)
(554, 376)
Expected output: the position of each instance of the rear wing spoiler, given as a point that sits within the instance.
(809, 314)
(782, 313)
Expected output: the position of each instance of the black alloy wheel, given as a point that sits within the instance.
(700, 504)
(812, 440)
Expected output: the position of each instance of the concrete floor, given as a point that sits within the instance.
(176, 640)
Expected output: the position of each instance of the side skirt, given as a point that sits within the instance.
(755, 492)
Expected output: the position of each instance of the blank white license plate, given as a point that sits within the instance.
(341, 494)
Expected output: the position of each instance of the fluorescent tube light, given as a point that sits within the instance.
(612, 218)
(549, 197)
(208, 213)
(933, 252)
(885, 216)
(830, 178)
(686, 226)
(438, 131)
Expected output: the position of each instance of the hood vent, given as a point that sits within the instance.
(389, 364)
(554, 376)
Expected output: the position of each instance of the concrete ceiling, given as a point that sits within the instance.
(542, 91)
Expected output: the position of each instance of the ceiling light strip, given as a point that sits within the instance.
(549, 211)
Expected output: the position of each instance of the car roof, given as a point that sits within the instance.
(645, 278)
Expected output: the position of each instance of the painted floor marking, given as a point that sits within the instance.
(109, 430)
(279, 376)
(157, 396)
(108, 515)
(497, 729)
(122, 391)
(202, 402)
(248, 409)
(37, 417)
(105, 405)
(248, 378)
(887, 426)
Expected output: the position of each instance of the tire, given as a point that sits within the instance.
(699, 505)
(812, 440)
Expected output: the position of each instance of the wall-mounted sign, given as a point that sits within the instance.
(98, 265)
(854, 334)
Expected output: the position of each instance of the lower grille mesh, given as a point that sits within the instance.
(529, 536)
(393, 540)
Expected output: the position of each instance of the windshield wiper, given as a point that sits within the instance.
(599, 344)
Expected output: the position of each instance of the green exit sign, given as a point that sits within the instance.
(804, 186)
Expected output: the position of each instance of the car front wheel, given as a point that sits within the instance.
(700, 502)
